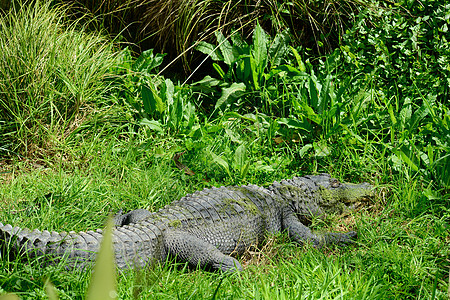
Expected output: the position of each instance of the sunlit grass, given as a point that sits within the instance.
(409, 250)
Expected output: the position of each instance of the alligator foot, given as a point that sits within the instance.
(187, 247)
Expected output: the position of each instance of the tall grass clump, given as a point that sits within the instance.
(52, 74)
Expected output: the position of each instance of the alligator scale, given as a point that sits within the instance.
(207, 228)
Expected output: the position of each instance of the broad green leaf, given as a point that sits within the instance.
(229, 56)
(147, 61)
(406, 159)
(325, 96)
(103, 280)
(255, 73)
(167, 91)
(391, 114)
(313, 94)
(210, 50)
(148, 100)
(279, 48)
(244, 68)
(301, 65)
(152, 124)
(208, 82)
(189, 114)
(405, 113)
(311, 114)
(221, 162)
(431, 195)
(321, 149)
(418, 115)
(151, 100)
(305, 149)
(241, 161)
(240, 156)
(227, 92)
(396, 162)
(261, 166)
(260, 41)
(240, 70)
(290, 70)
(295, 123)
(175, 113)
(244, 170)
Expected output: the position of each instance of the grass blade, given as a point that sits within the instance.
(103, 281)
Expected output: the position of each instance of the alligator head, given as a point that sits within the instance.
(319, 194)
(337, 197)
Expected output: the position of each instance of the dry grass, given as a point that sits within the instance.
(264, 255)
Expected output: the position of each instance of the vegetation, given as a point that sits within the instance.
(89, 127)
(176, 26)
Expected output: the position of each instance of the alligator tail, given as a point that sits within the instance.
(75, 249)
(135, 245)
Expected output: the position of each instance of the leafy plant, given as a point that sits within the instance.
(157, 101)
(238, 165)
(247, 63)
(249, 66)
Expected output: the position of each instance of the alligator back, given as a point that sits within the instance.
(230, 218)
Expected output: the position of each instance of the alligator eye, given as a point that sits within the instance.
(334, 183)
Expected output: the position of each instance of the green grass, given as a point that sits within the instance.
(110, 143)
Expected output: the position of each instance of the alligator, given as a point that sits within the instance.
(208, 228)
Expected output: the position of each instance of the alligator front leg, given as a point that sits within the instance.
(197, 252)
(301, 233)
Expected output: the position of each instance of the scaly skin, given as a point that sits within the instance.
(204, 229)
